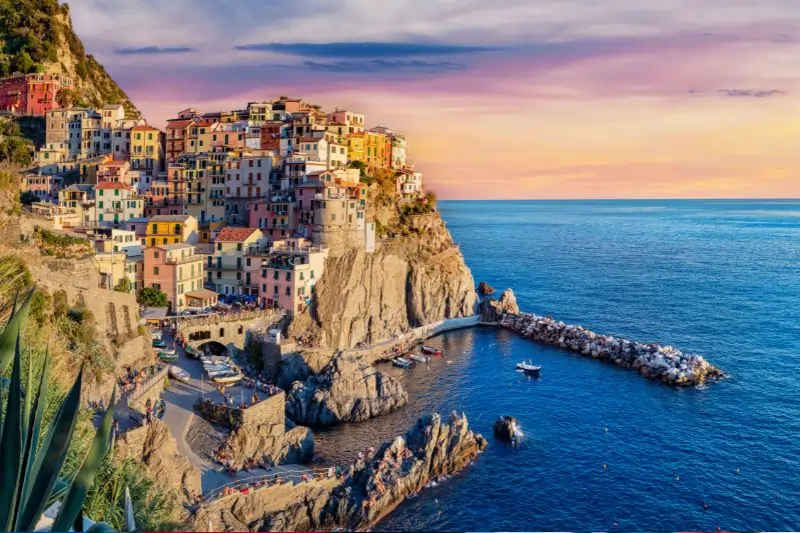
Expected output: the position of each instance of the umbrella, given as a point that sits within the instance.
(130, 524)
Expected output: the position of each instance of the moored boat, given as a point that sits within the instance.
(167, 356)
(420, 358)
(528, 367)
(401, 362)
(178, 373)
(430, 350)
(191, 352)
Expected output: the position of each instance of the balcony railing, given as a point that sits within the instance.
(183, 260)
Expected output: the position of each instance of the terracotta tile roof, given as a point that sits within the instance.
(144, 127)
(178, 124)
(310, 139)
(113, 185)
(206, 123)
(114, 163)
(234, 234)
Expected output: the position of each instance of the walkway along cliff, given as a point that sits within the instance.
(361, 495)
(662, 363)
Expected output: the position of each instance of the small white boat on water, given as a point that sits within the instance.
(178, 373)
(528, 367)
(430, 350)
(420, 358)
(401, 362)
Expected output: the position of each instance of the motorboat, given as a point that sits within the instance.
(191, 353)
(178, 373)
(158, 343)
(401, 362)
(219, 371)
(167, 351)
(430, 350)
(528, 367)
(420, 358)
(168, 357)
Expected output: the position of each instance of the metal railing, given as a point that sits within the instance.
(147, 385)
(248, 482)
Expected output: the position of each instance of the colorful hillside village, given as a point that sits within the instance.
(222, 206)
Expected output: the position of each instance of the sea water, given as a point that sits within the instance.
(718, 278)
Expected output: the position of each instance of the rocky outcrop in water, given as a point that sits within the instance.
(494, 309)
(663, 363)
(371, 488)
(505, 428)
(484, 289)
(347, 390)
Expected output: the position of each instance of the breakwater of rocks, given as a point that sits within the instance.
(662, 363)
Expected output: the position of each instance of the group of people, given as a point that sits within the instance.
(154, 411)
(133, 378)
(258, 385)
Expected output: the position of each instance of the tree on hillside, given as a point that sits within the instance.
(152, 297)
(28, 198)
(15, 150)
(431, 197)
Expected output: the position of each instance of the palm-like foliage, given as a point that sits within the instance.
(30, 479)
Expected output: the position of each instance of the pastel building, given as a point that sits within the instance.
(354, 121)
(275, 215)
(174, 269)
(287, 274)
(32, 94)
(147, 149)
(171, 229)
(225, 268)
(321, 149)
(115, 203)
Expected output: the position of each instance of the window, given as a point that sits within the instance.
(155, 255)
(263, 287)
(276, 275)
(275, 289)
(288, 291)
(155, 271)
(100, 204)
(219, 246)
(312, 275)
(288, 276)
(302, 277)
(239, 248)
(247, 261)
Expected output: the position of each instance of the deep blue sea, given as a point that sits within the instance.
(719, 278)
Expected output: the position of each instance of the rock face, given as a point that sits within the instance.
(484, 289)
(662, 363)
(262, 436)
(506, 428)
(347, 390)
(494, 309)
(155, 446)
(408, 282)
(372, 488)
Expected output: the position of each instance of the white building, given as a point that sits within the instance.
(321, 149)
(115, 203)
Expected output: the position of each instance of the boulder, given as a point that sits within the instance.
(347, 390)
(484, 289)
(505, 428)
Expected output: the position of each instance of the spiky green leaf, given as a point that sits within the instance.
(32, 440)
(51, 456)
(9, 336)
(11, 446)
(73, 503)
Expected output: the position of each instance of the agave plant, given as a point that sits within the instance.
(30, 474)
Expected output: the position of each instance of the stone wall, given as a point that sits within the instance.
(270, 410)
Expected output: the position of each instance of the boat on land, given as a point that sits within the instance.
(168, 356)
(158, 343)
(178, 373)
(430, 350)
(401, 362)
(528, 368)
(420, 358)
(228, 378)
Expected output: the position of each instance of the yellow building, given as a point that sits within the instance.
(377, 149)
(147, 149)
(355, 147)
(171, 229)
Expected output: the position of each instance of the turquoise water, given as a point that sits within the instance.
(719, 278)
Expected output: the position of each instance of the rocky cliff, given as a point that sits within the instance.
(37, 36)
(155, 446)
(347, 390)
(359, 498)
(414, 278)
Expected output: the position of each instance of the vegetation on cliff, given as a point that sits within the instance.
(37, 36)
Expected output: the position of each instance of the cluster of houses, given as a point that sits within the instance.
(243, 203)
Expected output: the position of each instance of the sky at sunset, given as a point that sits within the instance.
(499, 99)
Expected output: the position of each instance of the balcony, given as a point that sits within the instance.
(183, 260)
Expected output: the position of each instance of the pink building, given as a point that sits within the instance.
(275, 216)
(286, 275)
(176, 270)
(44, 187)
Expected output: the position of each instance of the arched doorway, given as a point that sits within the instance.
(213, 348)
